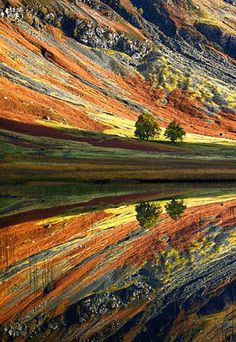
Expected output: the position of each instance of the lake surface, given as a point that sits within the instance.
(118, 262)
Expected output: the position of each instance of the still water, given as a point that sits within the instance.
(121, 262)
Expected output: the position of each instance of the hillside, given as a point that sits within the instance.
(97, 65)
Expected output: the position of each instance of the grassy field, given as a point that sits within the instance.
(33, 152)
(50, 199)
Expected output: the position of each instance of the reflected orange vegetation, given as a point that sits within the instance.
(75, 252)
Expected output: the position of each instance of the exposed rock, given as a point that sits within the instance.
(46, 118)
(216, 35)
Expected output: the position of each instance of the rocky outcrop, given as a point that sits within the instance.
(83, 31)
(216, 35)
(99, 37)
(157, 13)
(124, 13)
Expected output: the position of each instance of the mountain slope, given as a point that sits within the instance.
(96, 65)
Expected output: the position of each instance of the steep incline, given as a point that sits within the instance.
(96, 65)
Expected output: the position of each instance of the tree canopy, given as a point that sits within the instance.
(174, 132)
(146, 127)
(147, 214)
(175, 208)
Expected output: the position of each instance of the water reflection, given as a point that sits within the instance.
(148, 214)
(175, 208)
(135, 264)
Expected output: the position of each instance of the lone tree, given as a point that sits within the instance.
(174, 132)
(146, 127)
(175, 208)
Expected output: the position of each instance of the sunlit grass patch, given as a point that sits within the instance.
(119, 126)
(82, 155)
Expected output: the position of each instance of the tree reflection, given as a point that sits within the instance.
(175, 208)
(147, 214)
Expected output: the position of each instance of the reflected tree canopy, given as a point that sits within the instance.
(148, 214)
(175, 208)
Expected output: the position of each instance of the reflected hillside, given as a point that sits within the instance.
(135, 263)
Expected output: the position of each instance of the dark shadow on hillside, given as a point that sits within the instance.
(110, 141)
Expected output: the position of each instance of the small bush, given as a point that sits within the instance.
(28, 18)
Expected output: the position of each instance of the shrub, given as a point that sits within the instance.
(44, 10)
(28, 18)
(140, 11)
